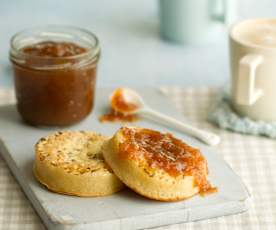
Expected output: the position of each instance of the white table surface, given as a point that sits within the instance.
(132, 51)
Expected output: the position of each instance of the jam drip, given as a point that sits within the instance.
(163, 151)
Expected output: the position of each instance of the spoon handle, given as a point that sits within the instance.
(206, 137)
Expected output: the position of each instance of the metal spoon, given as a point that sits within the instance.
(137, 106)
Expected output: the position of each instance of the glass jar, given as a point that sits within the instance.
(54, 74)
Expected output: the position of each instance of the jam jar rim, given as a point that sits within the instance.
(92, 53)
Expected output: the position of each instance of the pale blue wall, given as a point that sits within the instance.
(132, 53)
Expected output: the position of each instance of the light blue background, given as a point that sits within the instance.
(132, 51)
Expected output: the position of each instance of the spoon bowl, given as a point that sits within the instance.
(126, 101)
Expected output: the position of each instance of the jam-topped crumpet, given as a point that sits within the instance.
(156, 165)
(71, 162)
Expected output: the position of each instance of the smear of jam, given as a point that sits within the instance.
(54, 49)
(113, 116)
(163, 151)
(118, 101)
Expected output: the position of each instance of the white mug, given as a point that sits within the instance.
(253, 68)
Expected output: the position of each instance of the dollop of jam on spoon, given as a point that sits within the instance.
(122, 107)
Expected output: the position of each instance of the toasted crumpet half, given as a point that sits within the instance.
(156, 165)
(71, 162)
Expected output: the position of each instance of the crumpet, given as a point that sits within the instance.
(71, 162)
(156, 165)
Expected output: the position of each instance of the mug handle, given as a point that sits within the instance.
(246, 92)
(223, 10)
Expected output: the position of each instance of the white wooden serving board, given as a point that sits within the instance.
(124, 210)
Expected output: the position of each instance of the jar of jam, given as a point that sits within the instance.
(54, 73)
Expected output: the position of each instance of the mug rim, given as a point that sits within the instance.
(246, 43)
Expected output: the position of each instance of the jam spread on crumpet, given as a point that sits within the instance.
(163, 151)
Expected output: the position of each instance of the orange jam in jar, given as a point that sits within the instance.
(55, 74)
